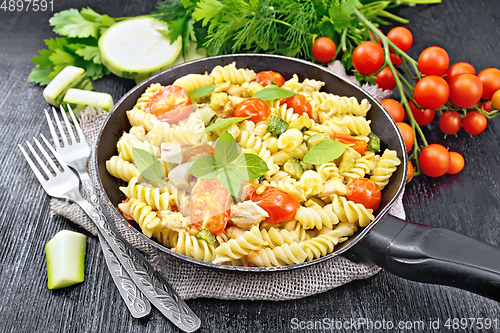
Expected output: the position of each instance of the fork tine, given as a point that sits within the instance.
(38, 175)
(77, 125)
(58, 158)
(39, 160)
(52, 130)
(59, 125)
(68, 125)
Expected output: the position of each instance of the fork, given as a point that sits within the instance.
(75, 154)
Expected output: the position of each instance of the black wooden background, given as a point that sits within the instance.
(467, 203)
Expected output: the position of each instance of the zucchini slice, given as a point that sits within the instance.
(294, 168)
(315, 139)
(134, 48)
(207, 114)
(277, 126)
(69, 77)
(79, 99)
(373, 143)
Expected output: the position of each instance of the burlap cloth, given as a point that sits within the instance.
(193, 281)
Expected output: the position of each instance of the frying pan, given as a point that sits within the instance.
(413, 251)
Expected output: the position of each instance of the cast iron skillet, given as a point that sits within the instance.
(412, 251)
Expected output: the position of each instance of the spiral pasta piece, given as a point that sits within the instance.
(385, 167)
(363, 165)
(328, 171)
(334, 105)
(120, 168)
(324, 244)
(142, 102)
(283, 111)
(240, 246)
(155, 197)
(289, 185)
(313, 217)
(145, 217)
(302, 233)
(138, 132)
(311, 182)
(192, 82)
(230, 73)
(277, 237)
(194, 248)
(125, 148)
(138, 117)
(249, 140)
(349, 211)
(290, 140)
(279, 256)
(166, 236)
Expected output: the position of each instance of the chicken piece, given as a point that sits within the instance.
(246, 214)
(333, 186)
(235, 100)
(219, 101)
(234, 232)
(173, 220)
(179, 175)
(235, 90)
(171, 152)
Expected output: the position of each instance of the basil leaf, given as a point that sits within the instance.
(204, 167)
(267, 94)
(147, 164)
(230, 180)
(325, 151)
(224, 123)
(202, 91)
(249, 166)
(226, 150)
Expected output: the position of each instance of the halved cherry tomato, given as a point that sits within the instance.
(266, 77)
(456, 163)
(280, 205)
(256, 108)
(394, 108)
(210, 206)
(192, 153)
(364, 191)
(357, 144)
(170, 104)
(299, 104)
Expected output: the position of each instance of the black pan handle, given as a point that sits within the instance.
(431, 255)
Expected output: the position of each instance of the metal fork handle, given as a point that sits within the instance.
(151, 283)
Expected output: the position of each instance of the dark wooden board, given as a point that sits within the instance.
(467, 203)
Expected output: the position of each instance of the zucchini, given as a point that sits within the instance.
(373, 143)
(69, 77)
(65, 254)
(207, 236)
(294, 168)
(135, 49)
(207, 114)
(192, 54)
(277, 126)
(80, 99)
(347, 162)
(302, 123)
(315, 139)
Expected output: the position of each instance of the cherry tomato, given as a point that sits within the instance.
(465, 90)
(394, 108)
(408, 135)
(433, 61)
(299, 104)
(210, 206)
(409, 176)
(192, 153)
(423, 117)
(368, 57)
(357, 144)
(495, 99)
(434, 160)
(486, 106)
(280, 205)
(169, 104)
(456, 163)
(364, 191)
(324, 49)
(266, 77)
(376, 38)
(459, 68)
(431, 92)
(396, 61)
(450, 122)
(490, 77)
(475, 123)
(256, 108)
(385, 79)
(401, 37)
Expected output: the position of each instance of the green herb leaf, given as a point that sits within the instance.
(207, 10)
(230, 180)
(202, 91)
(249, 166)
(40, 75)
(70, 23)
(147, 164)
(224, 123)
(325, 151)
(90, 53)
(267, 94)
(204, 167)
(226, 150)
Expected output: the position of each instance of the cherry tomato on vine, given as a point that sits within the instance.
(169, 104)
(459, 68)
(433, 60)
(299, 104)
(394, 108)
(377, 37)
(431, 92)
(256, 108)
(486, 106)
(450, 122)
(364, 191)
(324, 49)
(210, 206)
(368, 57)
(465, 90)
(490, 77)
(423, 117)
(475, 123)
(408, 135)
(495, 99)
(385, 79)
(409, 175)
(401, 37)
(396, 61)
(434, 160)
(266, 77)
(456, 163)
